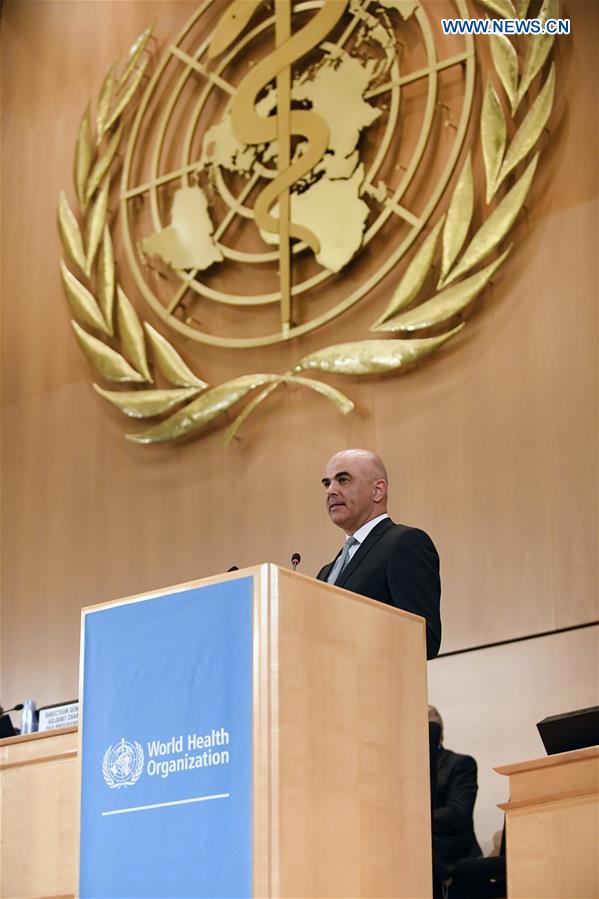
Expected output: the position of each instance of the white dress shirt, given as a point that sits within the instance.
(363, 532)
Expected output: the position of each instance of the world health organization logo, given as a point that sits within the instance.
(281, 165)
(123, 764)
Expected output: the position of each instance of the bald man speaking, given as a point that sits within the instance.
(393, 563)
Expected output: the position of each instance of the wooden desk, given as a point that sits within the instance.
(552, 826)
(39, 814)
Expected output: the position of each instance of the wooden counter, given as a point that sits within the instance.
(38, 796)
(552, 826)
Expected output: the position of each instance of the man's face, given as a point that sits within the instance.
(354, 493)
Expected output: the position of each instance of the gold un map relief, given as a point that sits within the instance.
(279, 164)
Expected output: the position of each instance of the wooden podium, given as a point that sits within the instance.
(552, 826)
(340, 781)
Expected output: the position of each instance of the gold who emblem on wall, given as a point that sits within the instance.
(281, 161)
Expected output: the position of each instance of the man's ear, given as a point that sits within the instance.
(379, 490)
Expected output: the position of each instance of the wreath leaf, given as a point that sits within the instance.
(539, 48)
(83, 156)
(135, 51)
(529, 131)
(343, 403)
(95, 225)
(493, 133)
(413, 278)
(105, 102)
(107, 362)
(505, 61)
(170, 362)
(368, 357)
(132, 335)
(70, 233)
(146, 403)
(106, 279)
(204, 409)
(503, 8)
(459, 217)
(103, 163)
(81, 300)
(446, 304)
(497, 225)
(253, 404)
(128, 93)
(522, 8)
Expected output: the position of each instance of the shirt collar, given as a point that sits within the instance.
(362, 533)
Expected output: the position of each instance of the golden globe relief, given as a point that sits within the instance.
(283, 163)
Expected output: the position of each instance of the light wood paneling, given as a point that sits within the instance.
(553, 826)
(353, 746)
(571, 772)
(38, 787)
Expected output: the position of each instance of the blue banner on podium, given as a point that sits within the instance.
(166, 791)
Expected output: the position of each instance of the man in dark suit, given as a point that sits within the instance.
(453, 807)
(393, 563)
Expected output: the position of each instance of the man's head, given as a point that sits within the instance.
(434, 715)
(355, 481)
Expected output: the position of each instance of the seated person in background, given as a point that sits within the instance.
(452, 808)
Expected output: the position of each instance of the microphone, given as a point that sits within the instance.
(233, 568)
(16, 708)
(295, 560)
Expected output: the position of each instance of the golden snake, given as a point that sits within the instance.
(251, 128)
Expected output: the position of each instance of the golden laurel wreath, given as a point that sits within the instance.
(120, 353)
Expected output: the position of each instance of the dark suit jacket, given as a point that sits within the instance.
(397, 565)
(453, 807)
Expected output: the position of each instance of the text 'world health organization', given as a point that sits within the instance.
(186, 752)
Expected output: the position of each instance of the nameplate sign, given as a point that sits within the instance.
(52, 717)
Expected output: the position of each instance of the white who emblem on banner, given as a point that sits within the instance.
(123, 763)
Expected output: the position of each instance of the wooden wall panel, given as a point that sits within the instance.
(491, 447)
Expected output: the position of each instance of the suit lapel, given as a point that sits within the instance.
(442, 766)
(328, 568)
(362, 551)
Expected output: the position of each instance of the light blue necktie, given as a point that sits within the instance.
(342, 560)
